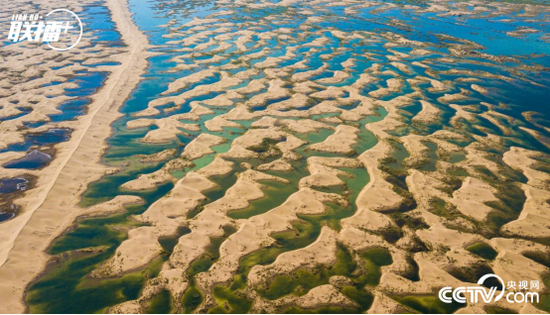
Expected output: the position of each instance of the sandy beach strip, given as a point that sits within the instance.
(50, 211)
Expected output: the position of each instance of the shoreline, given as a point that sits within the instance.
(50, 211)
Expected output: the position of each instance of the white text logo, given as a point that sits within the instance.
(36, 28)
(481, 293)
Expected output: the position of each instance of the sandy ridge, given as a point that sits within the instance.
(56, 207)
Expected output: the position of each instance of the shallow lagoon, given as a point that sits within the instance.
(33, 160)
(88, 81)
(8, 185)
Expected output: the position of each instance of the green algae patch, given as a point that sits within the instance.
(169, 242)
(301, 281)
(160, 304)
(396, 174)
(207, 159)
(441, 208)
(499, 310)
(50, 294)
(192, 296)
(429, 164)
(428, 304)
(316, 137)
(457, 157)
(228, 298)
(375, 258)
(68, 280)
(320, 310)
(544, 303)
(482, 250)
(275, 193)
(304, 232)
(109, 186)
(539, 256)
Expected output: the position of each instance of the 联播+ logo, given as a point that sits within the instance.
(57, 28)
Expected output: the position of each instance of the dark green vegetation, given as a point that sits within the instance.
(169, 242)
(498, 310)
(511, 196)
(509, 205)
(396, 173)
(473, 272)
(454, 179)
(303, 280)
(545, 297)
(305, 231)
(483, 250)
(68, 278)
(412, 273)
(429, 304)
(160, 304)
(403, 219)
(361, 273)
(538, 256)
(444, 209)
(192, 297)
(93, 296)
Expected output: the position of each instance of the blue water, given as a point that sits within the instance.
(96, 19)
(52, 136)
(4, 216)
(88, 85)
(9, 185)
(24, 111)
(33, 160)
